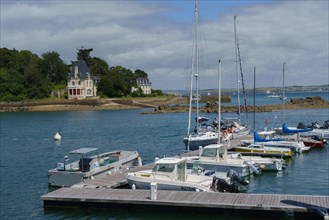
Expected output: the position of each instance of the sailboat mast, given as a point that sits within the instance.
(283, 92)
(219, 99)
(254, 98)
(193, 67)
(236, 68)
(196, 62)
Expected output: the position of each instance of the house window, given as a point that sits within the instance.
(89, 92)
(79, 83)
(70, 91)
(78, 91)
(74, 91)
(73, 83)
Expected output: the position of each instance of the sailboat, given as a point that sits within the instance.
(271, 141)
(214, 156)
(200, 137)
(239, 129)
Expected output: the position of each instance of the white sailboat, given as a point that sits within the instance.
(199, 138)
(214, 157)
(240, 129)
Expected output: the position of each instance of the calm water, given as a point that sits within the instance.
(28, 152)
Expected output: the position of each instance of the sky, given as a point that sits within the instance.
(156, 36)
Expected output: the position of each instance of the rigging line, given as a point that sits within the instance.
(242, 81)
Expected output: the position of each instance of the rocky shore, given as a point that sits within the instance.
(159, 105)
(308, 102)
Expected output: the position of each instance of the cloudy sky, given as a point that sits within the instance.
(157, 37)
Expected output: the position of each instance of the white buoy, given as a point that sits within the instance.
(57, 137)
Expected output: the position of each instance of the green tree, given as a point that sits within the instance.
(98, 66)
(105, 86)
(53, 67)
(84, 54)
(140, 73)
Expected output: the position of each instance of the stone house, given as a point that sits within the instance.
(80, 83)
(144, 84)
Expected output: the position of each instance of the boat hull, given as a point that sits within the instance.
(243, 170)
(264, 151)
(194, 143)
(145, 183)
(69, 176)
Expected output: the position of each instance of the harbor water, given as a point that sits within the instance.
(28, 151)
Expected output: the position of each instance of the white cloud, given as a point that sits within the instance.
(141, 35)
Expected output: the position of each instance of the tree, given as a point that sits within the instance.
(140, 73)
(98, 66)
(53, 67)
(84, 54)
(105, 86)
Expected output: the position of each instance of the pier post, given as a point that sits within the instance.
(153, 191)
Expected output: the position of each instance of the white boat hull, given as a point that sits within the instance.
(145, 183)
(72, 175)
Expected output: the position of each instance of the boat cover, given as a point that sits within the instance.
(287, 130)
(258, 138)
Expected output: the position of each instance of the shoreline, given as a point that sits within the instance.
(159, 105)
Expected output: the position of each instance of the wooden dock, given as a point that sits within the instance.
(101, 192)
(212, 203)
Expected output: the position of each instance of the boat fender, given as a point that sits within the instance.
(209, 173)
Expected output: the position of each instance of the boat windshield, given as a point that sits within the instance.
(168, 168)
(210, 152)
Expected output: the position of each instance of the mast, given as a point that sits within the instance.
(236, 68)
(194, 72)
(196, 62)
(283, 92)
(219, 108)
(254, 98)
(219, 99)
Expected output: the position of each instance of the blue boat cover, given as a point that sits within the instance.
(285, 129)
(258, 138)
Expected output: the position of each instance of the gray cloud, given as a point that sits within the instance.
(140, 35)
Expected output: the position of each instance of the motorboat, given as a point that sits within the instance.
(89, 165)
(171, 173)
(266, 138)
(263, 163)
(214, 157)
(314, 142)
(262, 149)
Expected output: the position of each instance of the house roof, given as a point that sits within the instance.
(83, 70)
(143, 81)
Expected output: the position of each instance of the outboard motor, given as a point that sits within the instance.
(314, 124)
(325, 125)
(220, 185)
(252, 168)
(236, 178)
(301, 125)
